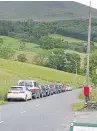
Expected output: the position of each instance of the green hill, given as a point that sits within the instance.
(12, 71)
(43, 10)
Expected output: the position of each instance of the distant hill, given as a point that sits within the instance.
(43, 10)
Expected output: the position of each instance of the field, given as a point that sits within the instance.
(69, 39)
(12, 71)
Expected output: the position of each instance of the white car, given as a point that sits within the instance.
(32, 86)
(19, 93)
(69, 87)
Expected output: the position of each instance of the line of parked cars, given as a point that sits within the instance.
(29, 89)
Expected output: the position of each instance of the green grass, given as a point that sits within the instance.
(78, 106)
(15, 43)
(2, 102)
(69, 39)
(12, 71)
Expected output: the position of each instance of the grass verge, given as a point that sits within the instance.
(78, 106)
(2, 102)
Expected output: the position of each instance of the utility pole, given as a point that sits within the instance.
(76, 73)
(88, 46)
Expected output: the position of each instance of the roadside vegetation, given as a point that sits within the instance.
(79, 106)
(12, 71)
(2, 102)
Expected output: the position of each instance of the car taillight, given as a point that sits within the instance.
(33, 90)
(21, 92)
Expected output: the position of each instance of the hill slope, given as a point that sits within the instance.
(11, 71)
(43, 10)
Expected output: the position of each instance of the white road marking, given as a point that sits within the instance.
(1, 122)
(23, 112)
(63, 125)
(46, 126)
(38, 105)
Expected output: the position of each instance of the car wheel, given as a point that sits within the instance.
(26, 98)
(42, 95)
(8, 99)
(31, 97)
(39, 96)
(35, 97)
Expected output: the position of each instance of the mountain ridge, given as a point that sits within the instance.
(44, 10)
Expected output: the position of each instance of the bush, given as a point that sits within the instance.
(2, 102)
(22, 58)
(3, 94)
(81, 95)
(93, 96)
(78, 106)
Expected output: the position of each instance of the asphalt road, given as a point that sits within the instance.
(51, 113)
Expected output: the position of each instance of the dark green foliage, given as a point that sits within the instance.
(47, 42)
(22, 58)
(32, 31)
(60, 60)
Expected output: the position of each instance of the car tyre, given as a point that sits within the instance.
(26, 98)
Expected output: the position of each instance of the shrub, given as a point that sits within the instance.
(22, 58)
(2, 102)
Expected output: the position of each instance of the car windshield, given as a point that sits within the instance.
(25, 83)
(16, 88)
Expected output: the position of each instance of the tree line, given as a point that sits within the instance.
(32, 31)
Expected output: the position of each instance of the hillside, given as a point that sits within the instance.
(33, 49)
(11, 71)
(44, 10)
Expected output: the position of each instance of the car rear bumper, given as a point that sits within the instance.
(18, 97)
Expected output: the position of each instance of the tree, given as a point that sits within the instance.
(6, 52)
(93, 67)
(22, 45)
(22, 58)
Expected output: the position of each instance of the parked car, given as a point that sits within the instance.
(69, 87)
(48, 92)
(64, 89)
(58, 87)
(52, 89)
(19, 93)
(32, 86)
(43, 90)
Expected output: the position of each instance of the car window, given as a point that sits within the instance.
(35, 84)
(25, 83)
(16, 88)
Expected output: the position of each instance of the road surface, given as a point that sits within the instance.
(51, 113)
